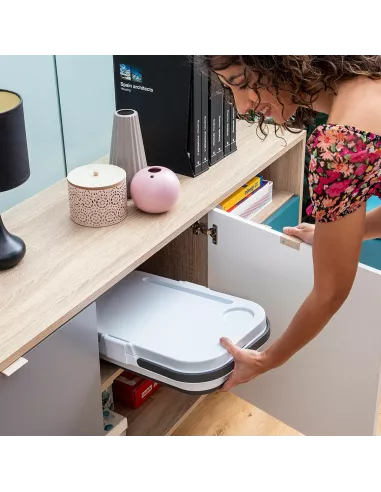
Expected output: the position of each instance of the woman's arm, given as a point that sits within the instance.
(373, 224)
(336, 252)
(305, 232)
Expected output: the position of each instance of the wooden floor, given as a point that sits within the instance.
(168, 412)
(223, 414)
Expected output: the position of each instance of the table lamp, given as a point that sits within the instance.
(14, 168)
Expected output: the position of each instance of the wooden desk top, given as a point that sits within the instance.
(67, 266)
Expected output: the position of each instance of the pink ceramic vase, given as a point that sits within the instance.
(155, 189)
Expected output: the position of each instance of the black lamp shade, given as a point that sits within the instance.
(14, 161)
(14, 169)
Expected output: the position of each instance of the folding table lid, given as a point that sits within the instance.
(175, 324)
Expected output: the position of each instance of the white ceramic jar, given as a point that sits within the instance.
(97, 195)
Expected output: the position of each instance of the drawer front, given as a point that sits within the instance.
(58, 391)
(331, 386)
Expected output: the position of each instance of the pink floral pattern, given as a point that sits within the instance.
(345, 170)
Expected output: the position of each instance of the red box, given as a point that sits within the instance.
(132, 390)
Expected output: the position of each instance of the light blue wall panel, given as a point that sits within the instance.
(86, 87)
(33, 77)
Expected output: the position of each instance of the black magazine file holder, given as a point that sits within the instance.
(159, 88)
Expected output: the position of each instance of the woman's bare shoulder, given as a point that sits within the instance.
(358, 104)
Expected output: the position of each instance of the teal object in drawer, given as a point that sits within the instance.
(371, 250)
(371, 253)
(286, 216)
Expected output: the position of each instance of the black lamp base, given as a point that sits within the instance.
(12, 248)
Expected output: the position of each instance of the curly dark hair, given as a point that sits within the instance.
(305, 76)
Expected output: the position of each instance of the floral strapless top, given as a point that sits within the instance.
(345, 170)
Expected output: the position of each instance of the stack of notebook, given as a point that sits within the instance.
(250, 199)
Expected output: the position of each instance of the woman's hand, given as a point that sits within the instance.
(248, 364)
(303, 231)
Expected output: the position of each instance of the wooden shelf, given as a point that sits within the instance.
(279, 199)
(109, 372)
(161, 414)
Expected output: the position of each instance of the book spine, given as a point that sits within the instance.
(219, 106)
(254, 202)
(255, 208)
(227, 116)
(251, 199)
(253, 214)
(233, 127)
(241, 194)
(254, 211)
(205, 121)
(196, 117)
(213, 121)
(216, 114)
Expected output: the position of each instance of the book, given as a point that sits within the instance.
(220, 131)
(255, 202)
(195, 125)
(216, 104)
(212, 132)
(205, 121)
(227, 109)
(233, 130)
(240, 194)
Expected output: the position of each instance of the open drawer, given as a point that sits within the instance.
(331, 387)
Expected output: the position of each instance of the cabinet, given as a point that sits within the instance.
(58, 390)
(330, 387)
(321, 391)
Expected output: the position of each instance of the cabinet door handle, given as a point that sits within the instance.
(14, 367)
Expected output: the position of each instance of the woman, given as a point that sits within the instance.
(345, 170)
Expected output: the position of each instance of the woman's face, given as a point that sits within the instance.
(247, 99)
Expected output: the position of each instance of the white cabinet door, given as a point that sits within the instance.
(58, 391)
(331, 387)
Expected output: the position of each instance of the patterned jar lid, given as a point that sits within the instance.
(96, 176)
